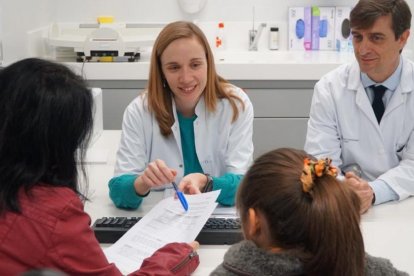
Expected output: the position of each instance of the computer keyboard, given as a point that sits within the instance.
(215, 231)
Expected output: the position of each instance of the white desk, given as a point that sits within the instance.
(388, 229)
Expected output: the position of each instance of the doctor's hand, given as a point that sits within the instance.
(362, 189)
(193, 183)
(156, 174)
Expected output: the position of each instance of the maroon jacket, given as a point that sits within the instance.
(53, 232)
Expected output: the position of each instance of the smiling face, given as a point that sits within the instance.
(376, 49)
(184, 66)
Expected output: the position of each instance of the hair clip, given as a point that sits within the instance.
(313, 169)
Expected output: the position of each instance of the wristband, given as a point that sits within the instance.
(138, 194)
(209, 184)
(146, 194)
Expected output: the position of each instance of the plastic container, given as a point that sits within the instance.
(220, 41)
(274, 38)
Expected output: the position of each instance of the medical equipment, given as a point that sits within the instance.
(121, 41)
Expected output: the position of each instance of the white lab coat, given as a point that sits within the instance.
(343, 126)
(221, 146)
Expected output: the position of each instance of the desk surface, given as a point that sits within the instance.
(387, 229)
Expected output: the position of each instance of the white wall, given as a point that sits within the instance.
(168, 10)
(18, 17)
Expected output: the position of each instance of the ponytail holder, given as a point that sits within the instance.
(313, 169)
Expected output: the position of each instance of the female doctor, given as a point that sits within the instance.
(189, 126)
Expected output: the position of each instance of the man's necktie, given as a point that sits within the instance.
(378, 104)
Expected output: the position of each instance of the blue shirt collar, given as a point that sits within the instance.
(391, 83)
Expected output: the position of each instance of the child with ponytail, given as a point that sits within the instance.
(298, 219)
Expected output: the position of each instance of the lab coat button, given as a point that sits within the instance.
(181, 165)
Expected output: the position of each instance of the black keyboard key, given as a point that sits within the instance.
(99, 222)
(107, 222)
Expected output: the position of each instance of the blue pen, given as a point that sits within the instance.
(180, 196)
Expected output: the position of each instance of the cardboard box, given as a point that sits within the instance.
(343, 36)
(299, 28)
(323, 28)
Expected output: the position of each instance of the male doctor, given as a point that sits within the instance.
(363, 113)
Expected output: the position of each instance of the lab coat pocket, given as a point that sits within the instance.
(404, 132)
(350, 140)
(350, 134)
(399, 149)
(207, 166)
(400, 146)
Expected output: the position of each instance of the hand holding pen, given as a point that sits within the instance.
(156, 174)
(180, 196)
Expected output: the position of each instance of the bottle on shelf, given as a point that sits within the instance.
(220, 37)
(274, 38)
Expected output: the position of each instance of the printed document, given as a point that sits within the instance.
(166, 222)
(220, 211)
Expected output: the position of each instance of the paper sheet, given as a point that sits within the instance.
(166, 222)
(219, 211)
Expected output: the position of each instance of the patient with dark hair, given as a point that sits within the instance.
(46, 121)
(298, 219)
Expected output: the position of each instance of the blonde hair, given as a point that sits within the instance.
(159, 94)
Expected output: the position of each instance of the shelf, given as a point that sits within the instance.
(237, 65)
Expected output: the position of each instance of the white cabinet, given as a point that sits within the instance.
(273, 133)
(116, 97)
(281, 112)
(281, 108)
